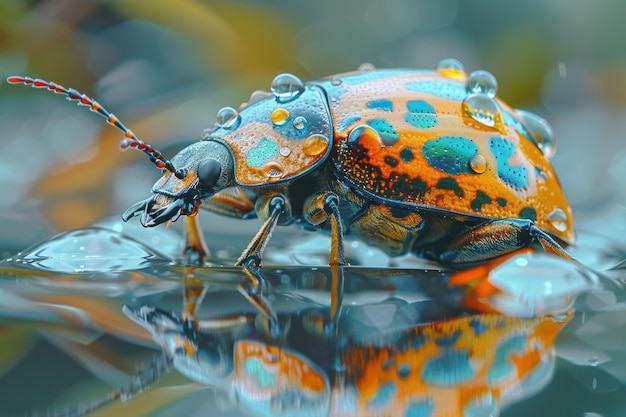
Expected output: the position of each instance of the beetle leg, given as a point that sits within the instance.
(324, 207)
(495, 238)
(195, 249)
(253, 291)
(276, 205)
(194, 291)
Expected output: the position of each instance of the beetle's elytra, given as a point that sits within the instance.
(420, 161)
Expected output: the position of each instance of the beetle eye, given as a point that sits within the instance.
(209, 172)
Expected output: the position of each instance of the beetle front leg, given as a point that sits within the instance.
(496, 238)
(271, 207)
(195, 250)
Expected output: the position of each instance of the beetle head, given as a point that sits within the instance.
(275, 137)
(202, 169)
(202, 356)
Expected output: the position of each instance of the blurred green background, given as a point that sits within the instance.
(166, 67)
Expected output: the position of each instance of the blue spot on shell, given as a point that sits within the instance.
(383, 104)
(478, 326)
(406, 154)
(260, 373)
(364, 77)
(450, 368)
(385, 393)
(448, 340)
(261, 153)
(348, 121)
(510, 120)
(421, 114)
(444, 89)
(502, 366)
(404, 370)
(528, 213)
(450, 154)
(388, 134)
(420, 408)
(503, 150)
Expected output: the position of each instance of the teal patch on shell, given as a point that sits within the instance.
(391, 161)
(406, 154)
(512, 121)
(265, 150)
(450, 368)
(448, 340)
(404, 370)
(528, 213)
(450, 154)
(259, 373)
(445, 89)
(450, 184)
(503, 149)
(503, 368)
(366, 76)
(385, 393)
(420, 408)
(383, 104)
(348, 121)
(388, 134)
(481, 198)
(478, 326)
(421, 114)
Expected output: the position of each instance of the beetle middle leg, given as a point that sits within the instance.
(320, 208)
(495, 238)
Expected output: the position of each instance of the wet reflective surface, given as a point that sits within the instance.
(87, 314)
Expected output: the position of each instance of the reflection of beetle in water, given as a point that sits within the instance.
(428, 162)
(458, 366)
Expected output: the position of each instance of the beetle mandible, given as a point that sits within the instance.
(426, 162)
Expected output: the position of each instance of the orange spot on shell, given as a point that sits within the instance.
(315, 145)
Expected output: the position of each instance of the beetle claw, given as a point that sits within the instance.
(136, 209)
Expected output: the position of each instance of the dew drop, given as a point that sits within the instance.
(125, 144)
(286, 87)
(227, 118)
(315, 145)
(206, 133)
(299, 122)
(257, 96)
(478, 163)
(366, 66)
(483, 109)
(284, 151)
(482, 82)
(363, 131)
(335, 81)
(279, 116)
(451, 68)
(558, 219)
(273, 170)
(541, 131)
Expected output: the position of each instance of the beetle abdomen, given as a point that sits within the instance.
(427, 140)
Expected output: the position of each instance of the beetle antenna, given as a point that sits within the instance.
(129, 141)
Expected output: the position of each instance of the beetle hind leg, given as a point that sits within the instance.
(496, 238)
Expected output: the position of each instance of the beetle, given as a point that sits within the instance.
(429, 162)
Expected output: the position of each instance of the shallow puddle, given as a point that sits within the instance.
(86, 315)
